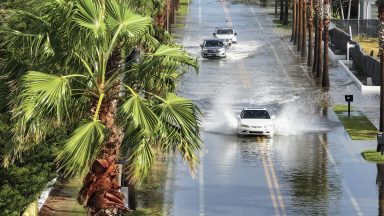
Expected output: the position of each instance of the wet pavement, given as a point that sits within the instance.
(310, 167)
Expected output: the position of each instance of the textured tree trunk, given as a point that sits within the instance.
(285, 22)
(100, 191)
(304, 37)
(297, 23)
(281, 10)
(319, 45)
(316, 52)
(293, 37)
(380, 4)
(310, 34)
(300, 33)
(327, 12)
(276, 2)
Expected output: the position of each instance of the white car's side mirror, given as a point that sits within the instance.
(214, 34)
(235, 33)
(273, 117)
(201, 45)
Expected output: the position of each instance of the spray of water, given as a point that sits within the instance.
(302, 116)
(221, 118)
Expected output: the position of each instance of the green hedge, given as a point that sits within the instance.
(23, 182)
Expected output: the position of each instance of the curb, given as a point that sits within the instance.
(363, 88)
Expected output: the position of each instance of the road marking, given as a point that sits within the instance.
(269, 183)
(226, 11)
(253, 13)
(245, 79)
(349, 192)
(277, 187)
(201, 185)
(199, 13)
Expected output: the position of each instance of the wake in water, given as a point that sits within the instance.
(297, 117)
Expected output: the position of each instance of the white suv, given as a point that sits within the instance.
(256, 121)
(227, 34)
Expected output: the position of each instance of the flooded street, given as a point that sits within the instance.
(310, 166)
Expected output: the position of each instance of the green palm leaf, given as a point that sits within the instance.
(82, 147)
(90, 16)
(41, 104)
(136, 110)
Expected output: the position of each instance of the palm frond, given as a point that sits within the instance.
(180, 127)
(124, 23)
(90, 16)
(82, 147)
(41, 105)
(135, 110)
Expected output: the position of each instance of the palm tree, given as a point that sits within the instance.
(380, 6)
(316, 51)
(319, 41)
(300, 24)
(75, 77)
(293, 37)
(310, 33)
(304, 30)
(326, 21)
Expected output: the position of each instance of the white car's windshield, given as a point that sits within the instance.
(224, 31)
(255, 114)
(213, 44)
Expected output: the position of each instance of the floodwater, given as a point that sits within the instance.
(308, 168)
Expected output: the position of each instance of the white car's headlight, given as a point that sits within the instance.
(222, 50)
(243, 125)
(205, 49)
(268, 126)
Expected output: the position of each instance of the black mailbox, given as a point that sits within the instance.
(349, 98)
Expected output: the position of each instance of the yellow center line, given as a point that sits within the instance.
(269, 183)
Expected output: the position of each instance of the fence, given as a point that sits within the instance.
(367, 27)
(365, 64)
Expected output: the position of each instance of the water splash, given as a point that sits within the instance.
(221, 118)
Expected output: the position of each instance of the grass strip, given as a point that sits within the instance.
(373, 156)
(357, 125)
(181, 14)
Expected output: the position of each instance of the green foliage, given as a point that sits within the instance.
(373, 156)
(21, 183)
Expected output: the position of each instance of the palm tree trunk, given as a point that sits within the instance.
(100, 191)
(310, 36)
(296, 41)
(327, 8)
(315, 52)
(380, 5)
(304, 37)
(300, 34)
(293, 21)
(319, 67)
(276, 2)
(285, 22)
(281, 10)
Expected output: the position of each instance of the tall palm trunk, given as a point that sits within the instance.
(281, 10)
(293, 21)
(100, 191)
(315, 52)
(380, 5)
(326, 21)
(310, 34)
(304, 37)
(285, 22)
(296, 41)
(319, 67)
(300, 33)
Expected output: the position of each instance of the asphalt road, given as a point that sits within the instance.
(308, 168)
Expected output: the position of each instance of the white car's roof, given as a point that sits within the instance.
(255, 108)
(224, 28)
